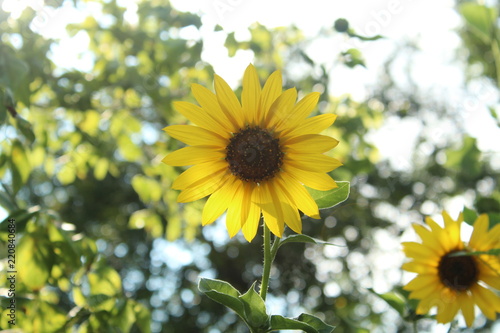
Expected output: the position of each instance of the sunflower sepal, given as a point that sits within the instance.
(331, 198)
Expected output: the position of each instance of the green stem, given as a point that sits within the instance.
(267, 262)
(269, 255)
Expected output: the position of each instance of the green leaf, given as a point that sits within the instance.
(142, 318)
(255, 308)
(223, 293)
(63, 247)
(147, 219)
(125, 317)
(330, 198)
(20, 166)
(105, 284)
(21, 217)
(147, 188)
(12, 69)
(353, 57)
(494, 219)
(305, 322)
(493, 252)
(395, 301)
(303, 239)
(25, 127)
(316, 323)
(480, 19)
(470, 216)
(33, 256)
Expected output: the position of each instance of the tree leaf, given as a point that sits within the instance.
(395, 301)
(331, 198)
(480, 19)
(33, 256)
(470, 216)
(255, 308)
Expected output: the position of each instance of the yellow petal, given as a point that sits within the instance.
(480, 232)
(271, 91)
(208, 101)
(291, 214)
(254, 212)
(312, 125)
(228, 102)
(234, 212)
(311, 162)
(427, 303)
(250, 95)
(281, 108)
(419, 268)
(446, 313)
(316, 180)
(429, 239)
(201, 118)
(488, 302)
(209, 185)
(194, 174)
(196, 136)
(273, 216)
(425, 292)
(418, 250)
(422, 281)
(218, 202)
(297, 195)
(467, 305)
(310, 143)
(452, 227)
(492, 279)
(193, 155)
(300, 112)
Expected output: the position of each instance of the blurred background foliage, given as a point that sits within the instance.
(104, 247)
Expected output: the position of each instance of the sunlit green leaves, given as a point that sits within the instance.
(480, 19)
(395, 301)
(331, 198)
(20, 165)
(105, 285)
(147, 188)
(35, 257)
(466, 159)
(12, 69)
(148, 220)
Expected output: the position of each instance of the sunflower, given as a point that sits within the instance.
(448, 276)
(253, 157)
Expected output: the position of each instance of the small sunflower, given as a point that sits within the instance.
(449, 280)
(253, 157)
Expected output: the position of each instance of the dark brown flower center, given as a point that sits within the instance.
(458, 272)
(254, 155)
